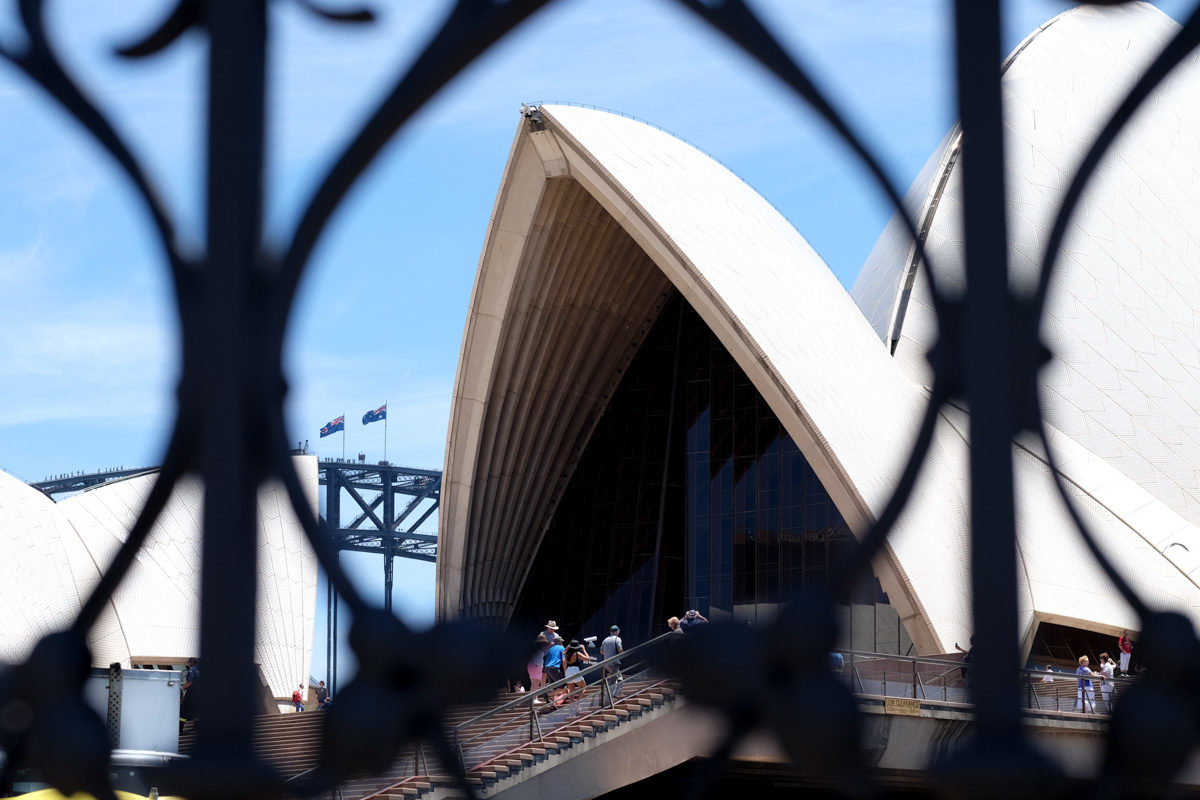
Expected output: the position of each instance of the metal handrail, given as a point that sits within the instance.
(897, 657)
(529, 697)
(1034, 680)
(568, 724)
(953, 665)
(565, 726)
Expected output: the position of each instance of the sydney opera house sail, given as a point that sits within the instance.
(54, 554)
(665, 400)
(1122, 322)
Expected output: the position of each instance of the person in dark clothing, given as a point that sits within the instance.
(692, 621)
(190, 673)
(188, 692)
(968, 656)
(322, 695)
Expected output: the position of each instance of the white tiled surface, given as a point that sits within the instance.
(879, 285)
(53, 554)
(1123, 316)
(44, 570)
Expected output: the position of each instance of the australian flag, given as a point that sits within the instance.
(334, 426)
(376, 415)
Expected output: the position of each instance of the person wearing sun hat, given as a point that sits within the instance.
(574, 660)
(691, 621)
(609, 649)
(552, 664)
(551, 632)
(537, 663)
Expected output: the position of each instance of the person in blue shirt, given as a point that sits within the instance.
(552, 663)
(552, 667)
(1085, 699)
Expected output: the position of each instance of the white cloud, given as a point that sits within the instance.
(92, 361)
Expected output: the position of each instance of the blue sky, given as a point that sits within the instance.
(87, 333)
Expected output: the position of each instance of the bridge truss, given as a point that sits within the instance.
(386, 505)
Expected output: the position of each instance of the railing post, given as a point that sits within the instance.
(231, 466)
(992, 378)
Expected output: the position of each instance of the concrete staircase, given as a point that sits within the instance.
(289, 742)
(493, 750)
(499, 749)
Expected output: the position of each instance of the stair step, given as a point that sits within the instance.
(446, 780)
(596, 723)
(496, 745)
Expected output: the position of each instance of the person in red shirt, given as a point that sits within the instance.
(1126, 648)
(298, 698)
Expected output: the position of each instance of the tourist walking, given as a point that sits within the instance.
(322, 696)
(188, 705)
(190, 674)
(968, 657)
(609, 649)
(1126, 648)
(298, 698)
(552, 664)
(1107, 667)
(692, 621)
(1045, 702)
(537, 662)
(551, 632)
(575, 658)
(673, 624)
(1085, 697)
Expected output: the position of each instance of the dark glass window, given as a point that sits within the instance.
(742, 522)
(1062, 645)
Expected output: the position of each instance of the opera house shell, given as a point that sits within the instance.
(665, 399)
(54, 554)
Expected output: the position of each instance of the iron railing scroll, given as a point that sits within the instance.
(234, 300)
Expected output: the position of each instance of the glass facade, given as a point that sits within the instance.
(691, 494)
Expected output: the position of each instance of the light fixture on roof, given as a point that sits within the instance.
(533, 114)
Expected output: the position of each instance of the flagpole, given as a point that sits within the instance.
(385, 430)
(343, 436)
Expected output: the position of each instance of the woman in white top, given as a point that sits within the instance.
(1107, 666)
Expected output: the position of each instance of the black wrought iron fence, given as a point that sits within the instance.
(234, 301)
